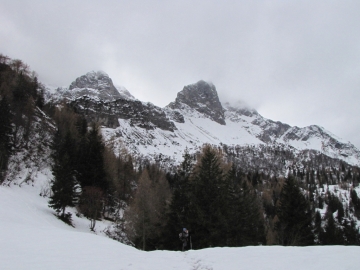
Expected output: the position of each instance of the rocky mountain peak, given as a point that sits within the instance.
(95, 83)
(201, 96)
(92, 79)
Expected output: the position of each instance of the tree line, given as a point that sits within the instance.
(21, 95)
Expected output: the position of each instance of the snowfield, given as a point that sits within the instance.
(33, 238)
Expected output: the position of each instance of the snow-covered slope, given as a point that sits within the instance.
(33, 238)
(194, 118)
(192, 134)
(307, 138)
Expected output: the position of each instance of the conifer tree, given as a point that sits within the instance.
(206, 213)
(294, 226)
(123, 174)
(90, 165)
(128, 175)
(243, 217)
(318, 231)
(5, 133)
(351, 232)
(332, 235)
(355, 201)
(179, 207)
(64, 186)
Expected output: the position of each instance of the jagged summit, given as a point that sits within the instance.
(201, 96)
(95, 84)
(92, 79)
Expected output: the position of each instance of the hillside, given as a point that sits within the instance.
(33, 238)
(231, 176)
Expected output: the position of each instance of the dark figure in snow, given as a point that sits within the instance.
(184, 237)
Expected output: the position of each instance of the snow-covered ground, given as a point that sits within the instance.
(31, 237)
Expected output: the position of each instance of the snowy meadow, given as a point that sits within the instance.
(33, 238)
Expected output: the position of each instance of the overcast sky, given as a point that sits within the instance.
(294, 61)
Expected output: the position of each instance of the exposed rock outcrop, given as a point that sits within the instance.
(203, 97)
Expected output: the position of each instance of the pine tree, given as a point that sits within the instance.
(332, 235)
(179, 207)
(294, 226)
(90, 164)
(351, 233)
(243, 217)
(207, 202)
(318, 229)
(5, 133)
(64, 186)
(355, 201)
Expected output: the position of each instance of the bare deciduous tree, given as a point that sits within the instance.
(91, 204)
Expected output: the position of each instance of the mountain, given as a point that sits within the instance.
(96, 85)
(202, 97)
(28, 225)
(308, 138)
(196, 117)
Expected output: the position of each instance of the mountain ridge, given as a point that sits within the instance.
(197, 116)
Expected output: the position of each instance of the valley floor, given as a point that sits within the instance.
(31, 237)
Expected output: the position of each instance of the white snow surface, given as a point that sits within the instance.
(33, 238)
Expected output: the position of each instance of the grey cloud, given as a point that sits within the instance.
(294, 61)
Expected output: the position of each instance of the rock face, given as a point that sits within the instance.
(201, 96)
(143, 115)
